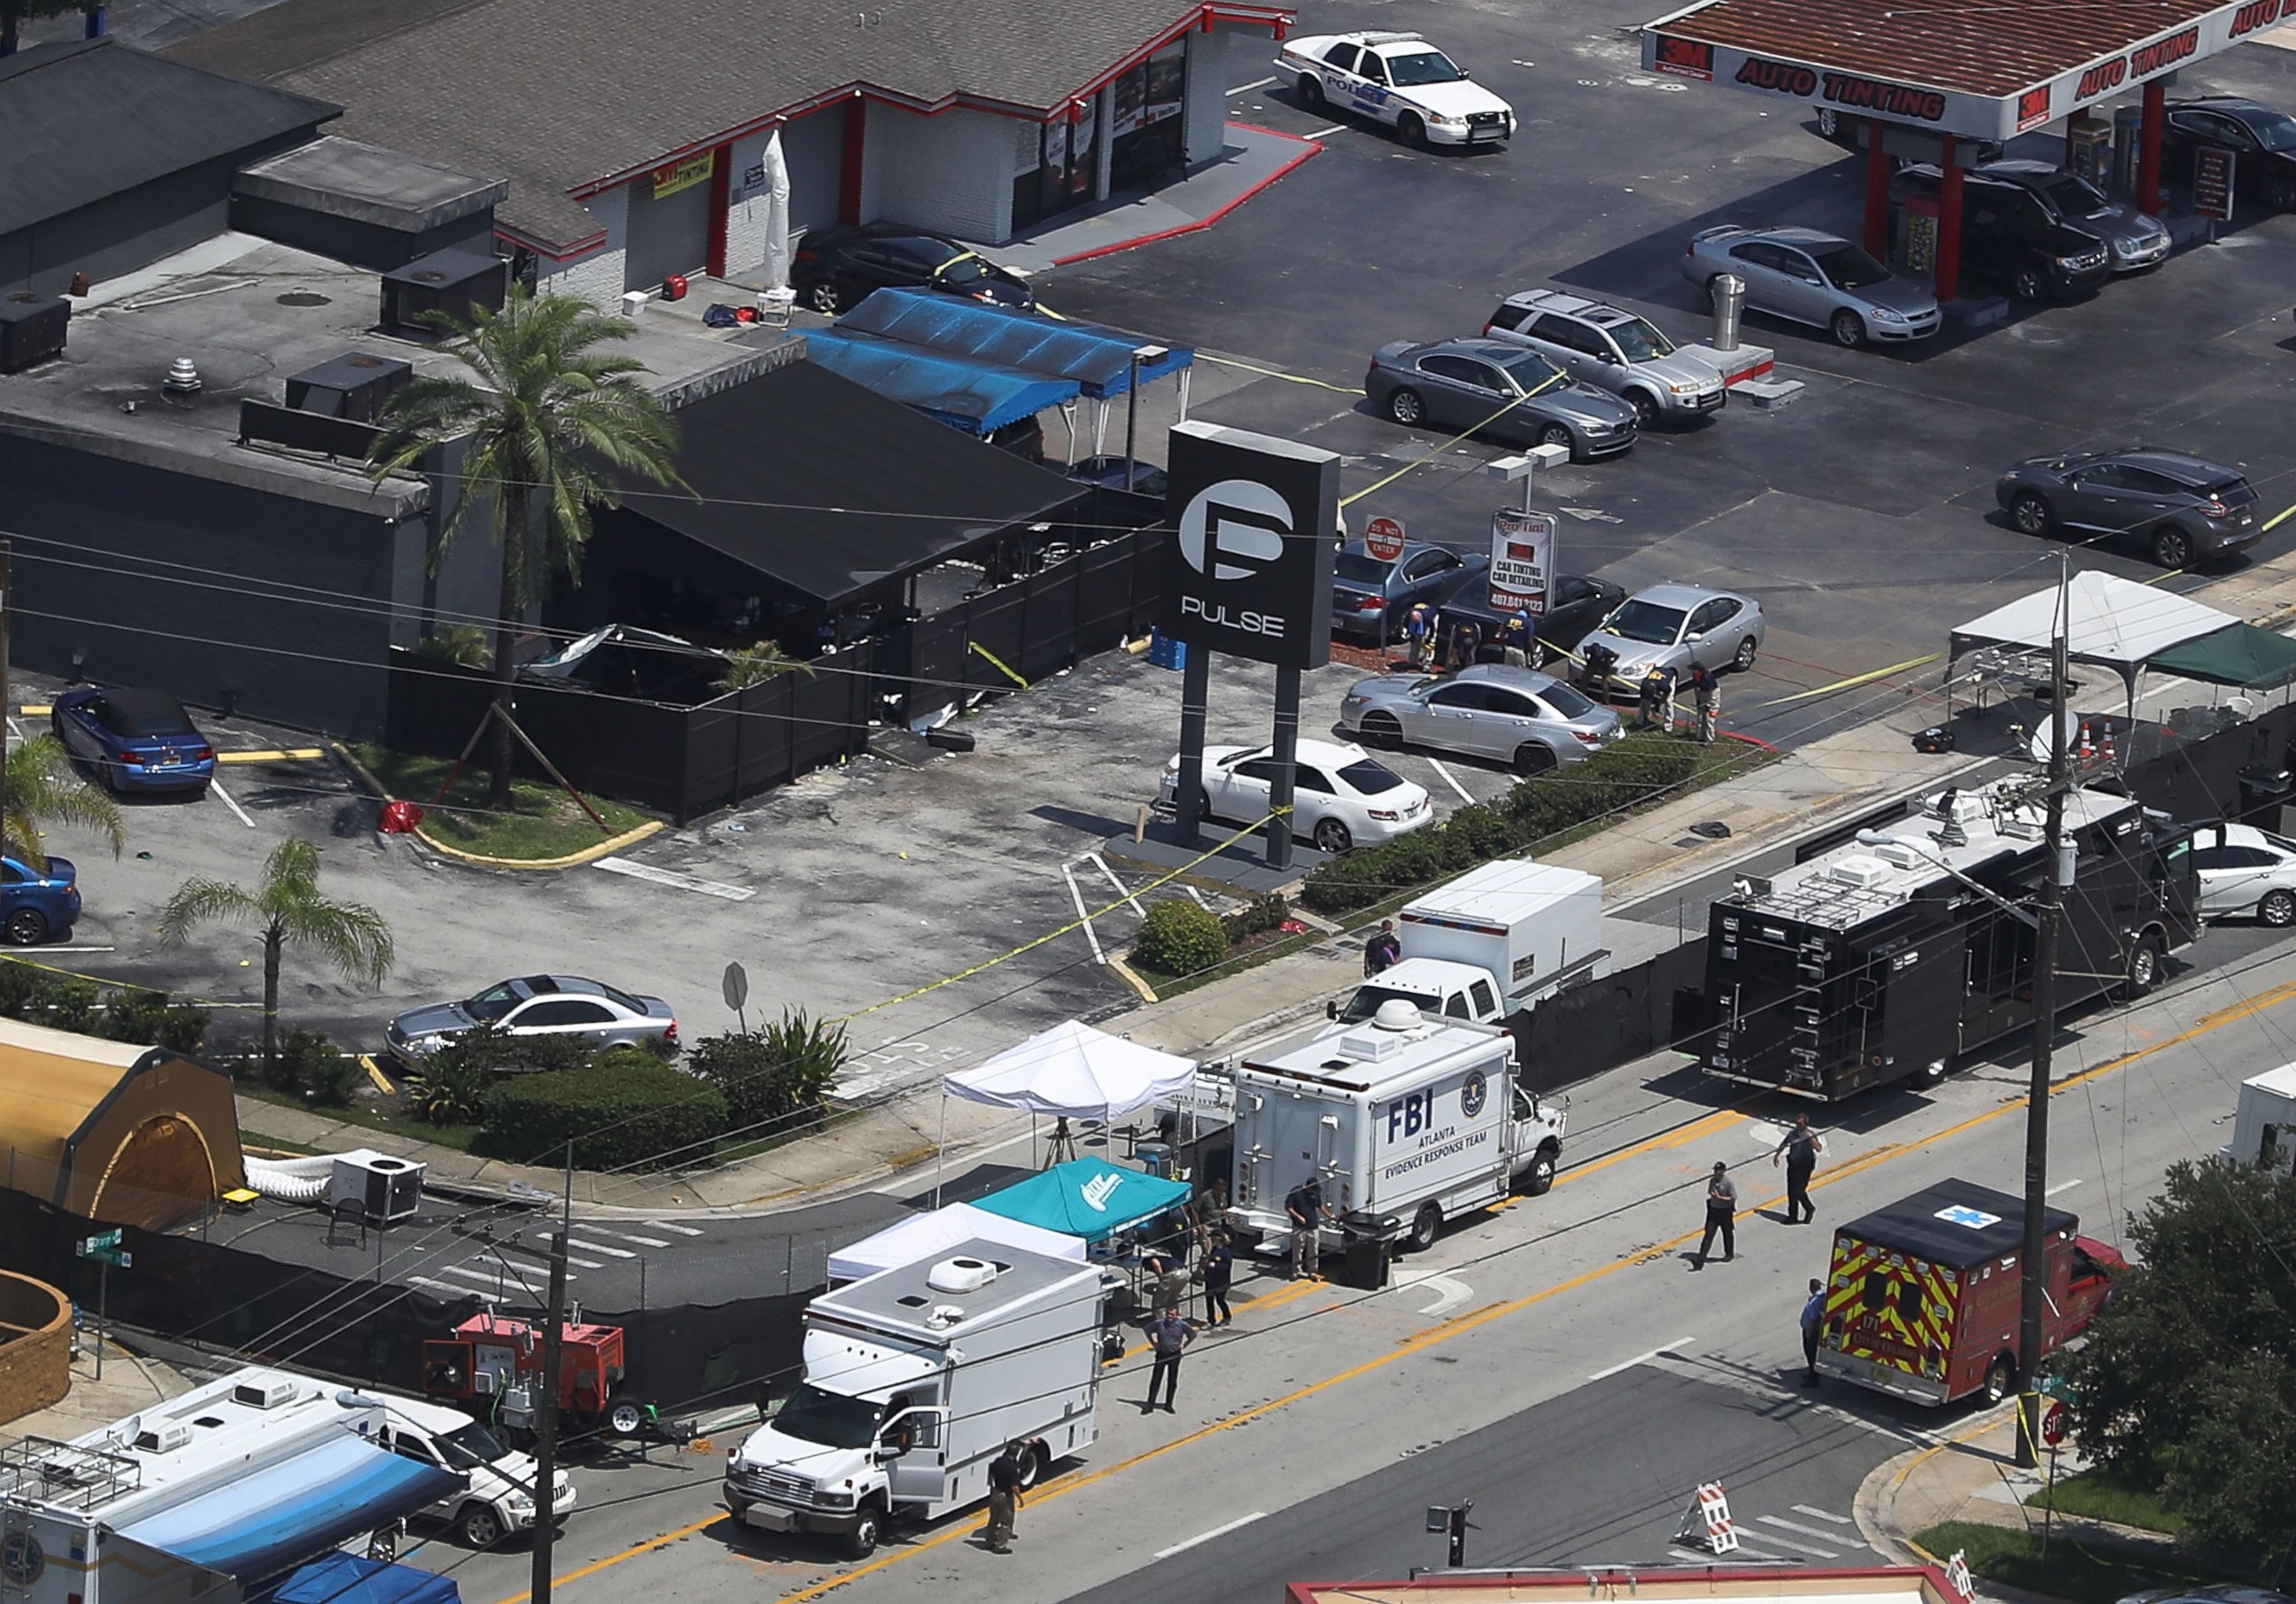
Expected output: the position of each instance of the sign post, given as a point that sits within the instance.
(104, 1249)
(2052, 1433)
(2213, 168)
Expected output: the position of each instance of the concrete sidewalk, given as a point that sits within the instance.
(131, 1382)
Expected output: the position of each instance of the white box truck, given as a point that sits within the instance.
(1492, 944)
(916, 1378)
(2264, 1122)
(1407, 1119)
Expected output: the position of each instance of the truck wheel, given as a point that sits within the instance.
(1539, 1179)
(868, 1531)
(2144, 970)
(2001, 1380)
(1032, 1468)
(1425, 1226)
(481, 1527)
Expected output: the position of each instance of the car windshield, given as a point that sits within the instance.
(1639, 341)
(830, 1419)
(471, 1444)
(1423, 67)
(963, 269)
(1369, 778)
(496, 1001)
(2275, 133)
(1353, 568)
(1647, 622)
(1850, 268)
(1564, 700)
(2074, 195)
(1367, 998)
(1530, 370)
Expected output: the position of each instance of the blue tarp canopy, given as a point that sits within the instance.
(1096, 357)
(273, 1519)
(1088, 1197)
(976, 397)
(348, 1579)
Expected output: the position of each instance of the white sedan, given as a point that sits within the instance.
(1342, 796)
(2244, 869)
(1399, 79)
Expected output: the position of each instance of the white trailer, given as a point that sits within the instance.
(1494, 943)
(915, 1379)
(1407, 1120)
(2264, 1122)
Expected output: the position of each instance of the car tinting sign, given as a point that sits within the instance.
(1523, 560)
(1249, 568)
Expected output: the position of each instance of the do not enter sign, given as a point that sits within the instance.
(1383, 539)
(2053, 1424)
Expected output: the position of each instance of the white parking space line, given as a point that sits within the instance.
(630, 1237)
(666, 1225)
(672, 877)
(1806, 1548)
(1248, 88)
(1823, 1514)
(1321, 132)
(1791, 1525)
(1676, 1345)
(217, 786)
(1094, 859)
(439, 1285)
(1220, 1531)
(1199, 895)
(1090, 934)
(589, 1247)
(1451, 780)
(2062, 1186)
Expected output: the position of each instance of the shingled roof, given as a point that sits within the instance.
(565, 96)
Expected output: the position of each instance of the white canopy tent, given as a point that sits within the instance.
(1071, 1072)
(2109, 622)
(927, 1234)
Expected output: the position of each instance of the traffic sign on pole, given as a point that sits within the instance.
(102, 1241)
(2053, 1424)
(1383, 539)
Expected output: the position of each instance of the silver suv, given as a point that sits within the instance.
(1616, 350)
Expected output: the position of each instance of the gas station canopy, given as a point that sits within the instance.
(1972, 70)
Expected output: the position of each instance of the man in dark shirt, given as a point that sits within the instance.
(1721, 1215)
(1812, 1319)
(1382, 950)
(1168, 1337)
(1799, 1150)
(1306, 1210)
(1217, 1269)
(1005, 1479)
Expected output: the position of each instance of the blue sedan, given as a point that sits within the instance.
(135, 740)
(35, 905)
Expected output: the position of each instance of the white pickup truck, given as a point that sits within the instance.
(1490, 944)
(1399, 79)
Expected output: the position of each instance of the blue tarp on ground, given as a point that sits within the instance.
(976, 397)
(1096, 357)
(348, 1579)
(1088, 1197)
(270, 1520)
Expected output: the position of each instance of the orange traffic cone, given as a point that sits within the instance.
(2109, 757)
(2087, 751)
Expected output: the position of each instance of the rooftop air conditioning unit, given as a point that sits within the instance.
(452, 281)
(384, 1191)
(356, 385)
(32, 329)
(960, 1275)
(265, 1394)
(1864, 873)
(165, 1438)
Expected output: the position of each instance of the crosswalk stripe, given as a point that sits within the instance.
(487, 1276)
(587, 1263)
(1822, 1515)
(439, 1285)
(1757, 1551)
(630, 1237)
(1771, 1537)
(591, 1247)
(666, 1225)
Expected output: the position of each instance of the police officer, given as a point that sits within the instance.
(1656, 699)
(1518, 641)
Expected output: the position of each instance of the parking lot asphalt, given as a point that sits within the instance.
(1861, 516)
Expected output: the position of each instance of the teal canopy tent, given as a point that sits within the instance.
(1088, 1197)
(2242, 655)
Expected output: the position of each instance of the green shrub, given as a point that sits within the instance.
(1261, 914)
(72, 1005)
(624, 1109)
(775, 1078)
(450, 1092)
(132, 1014)
(312, 1065)
(490, 1050)
(1179, 936)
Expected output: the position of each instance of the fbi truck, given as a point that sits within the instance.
(1886, 960)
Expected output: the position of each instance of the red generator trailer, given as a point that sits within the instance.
(493, 1363)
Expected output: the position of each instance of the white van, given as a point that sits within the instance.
(500, 1498)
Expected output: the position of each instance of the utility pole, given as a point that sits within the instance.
(2056, 872)
(546, 1417)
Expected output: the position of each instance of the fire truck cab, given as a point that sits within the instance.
(1922, 1297)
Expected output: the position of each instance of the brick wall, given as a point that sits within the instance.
(35, 1369)
(951, 173)
(598, 277)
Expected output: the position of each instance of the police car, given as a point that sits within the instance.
(1400, 79)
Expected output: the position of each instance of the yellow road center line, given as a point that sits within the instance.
(632, 1553)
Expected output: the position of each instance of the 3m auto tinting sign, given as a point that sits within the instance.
(1248, 568)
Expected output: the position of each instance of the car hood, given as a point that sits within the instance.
(2063, 239)
(1898, 294)
(1633, 656)
(1584, 401)
(1679, 369)
(2122, 224)
(1385, 685)
(1458, 99)
(432, 1020)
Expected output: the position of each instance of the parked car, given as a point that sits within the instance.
(1459, 384)
(1574, 604)
(1675, 626)
(2009, 238)
(535, 1005)
(498, 1497)
(1370, 596)
(134, 739)
(1612, 350)
(1518, 717)
(835, 267)
(37, 904)
(2244, 869)
(1810, 277)
(2180, 507)
(1846, 129)
(2261, 138)
(2135, 241)
(1108, 473)
(1399, 79)
(1342, 796)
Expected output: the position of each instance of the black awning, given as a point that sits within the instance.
(829, 489)
(1956, 1222)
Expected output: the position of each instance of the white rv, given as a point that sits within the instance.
(915, 1379)
(1407, 1119)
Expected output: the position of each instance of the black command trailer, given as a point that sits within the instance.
(1880, 963)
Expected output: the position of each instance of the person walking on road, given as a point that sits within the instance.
(1799, 1150)
(1168, 1337)
(1812, 1317)
(1305, 1206)
(1382, 950)
(1218, 1270)
(1005, 1479)
(1721, 1215)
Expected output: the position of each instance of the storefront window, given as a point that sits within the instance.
(1145, 135)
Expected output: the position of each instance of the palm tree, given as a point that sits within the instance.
(747, 665)
(42, 787)
(547, 419)
(287, 908)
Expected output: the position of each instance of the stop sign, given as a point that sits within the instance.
(1383, 539)
(2053, 1424)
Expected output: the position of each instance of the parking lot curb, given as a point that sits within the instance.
(1124, 972)
(573, 860)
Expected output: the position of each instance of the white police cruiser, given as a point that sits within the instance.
(1400, 79)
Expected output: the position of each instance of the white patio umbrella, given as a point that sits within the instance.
(778, 214)
(1071, 1072)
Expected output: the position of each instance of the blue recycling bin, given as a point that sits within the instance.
(1165, 653)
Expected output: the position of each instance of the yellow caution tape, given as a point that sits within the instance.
(1269, 372)
(1435, 452)
(1857, 680)
(1002, 666)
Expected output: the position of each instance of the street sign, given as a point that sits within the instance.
(92, 1245)
(2053, 1424)
(1523, 560)
(119, 1257)
(737, 986)
(1383, 539)
(2212, 176)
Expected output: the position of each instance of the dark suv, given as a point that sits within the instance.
(2180, 507)
(2009, 238)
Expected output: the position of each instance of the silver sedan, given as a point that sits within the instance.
(1814, 278)
(1512, 716)
(1675, 626)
